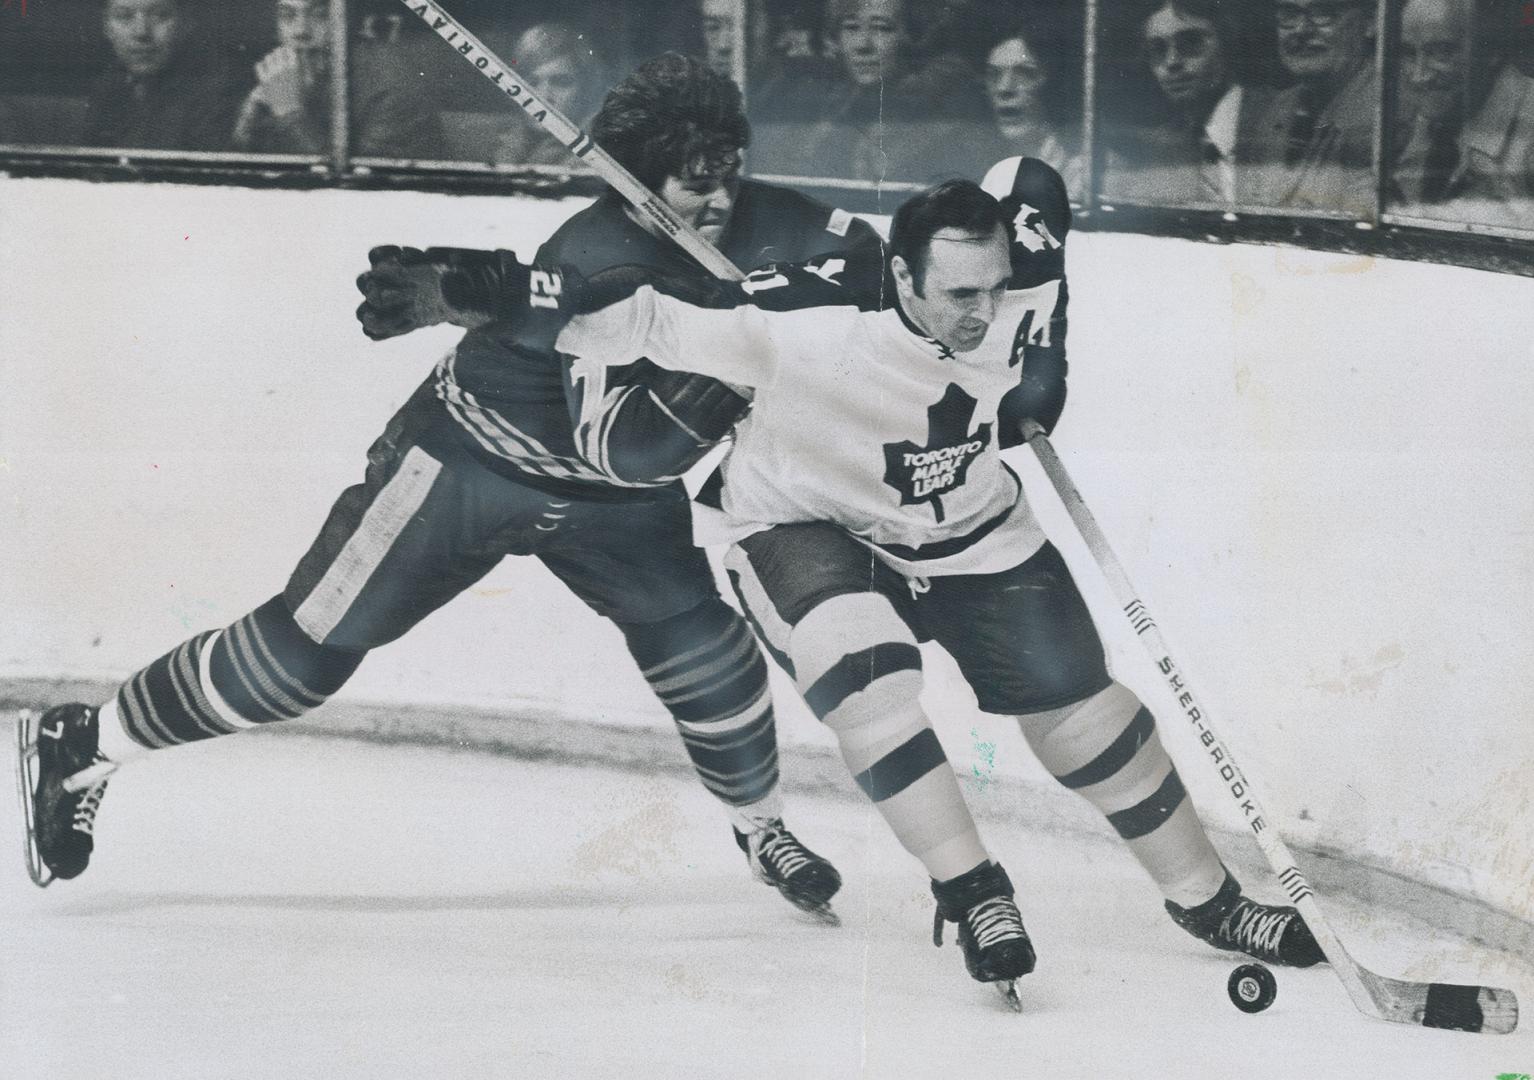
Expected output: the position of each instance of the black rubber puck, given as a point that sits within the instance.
(1252, 988)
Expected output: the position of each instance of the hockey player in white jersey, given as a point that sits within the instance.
(869, 509)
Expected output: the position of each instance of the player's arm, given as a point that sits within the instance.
(1034, 195)
(732, 344)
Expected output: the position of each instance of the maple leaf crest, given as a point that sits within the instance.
(924, 474)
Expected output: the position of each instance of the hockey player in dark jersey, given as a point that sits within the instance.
(480, 463)
(905, 525)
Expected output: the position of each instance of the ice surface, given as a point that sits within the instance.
(294, 907)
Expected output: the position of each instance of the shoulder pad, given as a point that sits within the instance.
(1034, 194)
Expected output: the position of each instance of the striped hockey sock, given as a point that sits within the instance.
(706, 669)
(859, 668)
(1106, 749)
(260, 669)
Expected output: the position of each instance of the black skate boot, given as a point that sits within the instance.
(1274, 935)
(805, 879)
(996, 946)
(62, 778)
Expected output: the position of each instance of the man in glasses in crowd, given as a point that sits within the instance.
(1315, 143)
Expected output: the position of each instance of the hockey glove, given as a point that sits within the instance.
(407, 288)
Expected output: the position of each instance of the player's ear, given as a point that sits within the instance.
(901, 271)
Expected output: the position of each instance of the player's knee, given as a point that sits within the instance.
(856, 661)
(1091, 736)
(1106, 748)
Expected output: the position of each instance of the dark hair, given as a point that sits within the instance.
(1222, 16)
(667, 113)
(953, 204)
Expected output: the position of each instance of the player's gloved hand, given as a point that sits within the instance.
(407, 288)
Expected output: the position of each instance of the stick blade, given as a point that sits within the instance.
(1451, 1006)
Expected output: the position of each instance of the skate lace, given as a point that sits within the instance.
(1256, 928)
(994, 920)
(89, 804)
(782, 853)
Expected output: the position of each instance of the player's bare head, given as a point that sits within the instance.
(144, 33)
(673, 116)
(950, 261)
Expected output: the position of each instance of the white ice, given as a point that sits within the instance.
(290, 907)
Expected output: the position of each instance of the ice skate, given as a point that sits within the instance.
(61, 778)
(805, 879)
(991, 933)
(1274, 935)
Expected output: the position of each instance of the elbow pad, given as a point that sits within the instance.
(660, 424)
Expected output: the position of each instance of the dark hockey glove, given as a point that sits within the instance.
(407, 288)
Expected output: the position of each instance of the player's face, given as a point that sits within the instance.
(303, 24)
(719, 34)
(143, 33)
(705, 196)
(1013, 78)
(1434, 58)
(871, 33)
(962, 286)
(1185, 56)
(1323, 39)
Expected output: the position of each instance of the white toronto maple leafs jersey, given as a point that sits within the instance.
(857, 419)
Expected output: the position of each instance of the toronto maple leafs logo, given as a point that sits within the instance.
(923, 474)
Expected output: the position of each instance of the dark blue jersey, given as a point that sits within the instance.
(510, 400)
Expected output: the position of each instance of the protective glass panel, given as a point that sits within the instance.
(414, 98)
(163, 75)
(1461, 137)
(895, 91)
(1239, 105)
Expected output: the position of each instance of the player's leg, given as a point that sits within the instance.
(1026, 643)
(393, 549)
(635, 564)
(829, 610)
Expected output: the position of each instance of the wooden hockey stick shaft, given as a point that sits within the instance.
(553, 121)
(1444, 1005)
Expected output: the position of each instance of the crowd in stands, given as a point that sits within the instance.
(1249, 103)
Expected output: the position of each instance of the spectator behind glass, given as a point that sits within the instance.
(288, 112)
(1016, 77)
(1190, 148)
(560, 65)
(719, 35)
(1496, 166)
(1432, 90)
(1314, 146)
(881, 115)
(161, 92)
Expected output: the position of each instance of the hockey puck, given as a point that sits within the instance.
(1252, 988)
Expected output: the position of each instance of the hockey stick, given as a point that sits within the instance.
(1439, 1005)
(1445, 1005)
(580, 144)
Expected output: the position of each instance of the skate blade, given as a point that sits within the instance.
(1007, 988)
(820, 912)
(26, 786)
